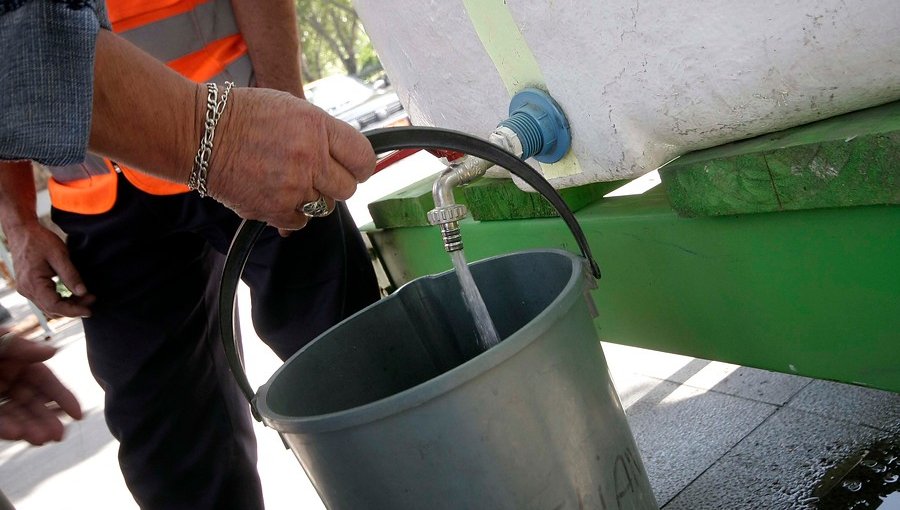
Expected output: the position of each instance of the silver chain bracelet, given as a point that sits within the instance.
(215, 105)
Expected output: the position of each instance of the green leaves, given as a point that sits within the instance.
(333, 40)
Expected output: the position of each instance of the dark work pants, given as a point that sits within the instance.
(185, 434)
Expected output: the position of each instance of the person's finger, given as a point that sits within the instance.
(38, 431)
(75, 306)
(52, 390)
(44, 295)
(48, 299)
(27, 351)
(288, 221)
(64, 307)
(26, 409)
(287, 232)
(332, 203)
(44, 425)
(12, 421)
(352, 151)
(86, 300)
(61, 263)
(39, 423)
(335, 182)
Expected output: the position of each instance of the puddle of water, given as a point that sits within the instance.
(868, 480)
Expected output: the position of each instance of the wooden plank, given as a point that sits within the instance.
(849, 160)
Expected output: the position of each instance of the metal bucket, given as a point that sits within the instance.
(395, 407)
(390, 410)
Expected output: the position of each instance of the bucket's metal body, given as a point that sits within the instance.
(393, 409)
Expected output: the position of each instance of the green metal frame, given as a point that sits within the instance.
(814, 292)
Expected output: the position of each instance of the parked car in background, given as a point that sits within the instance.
(356, 103)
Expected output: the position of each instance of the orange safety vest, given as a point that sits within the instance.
(197, 38)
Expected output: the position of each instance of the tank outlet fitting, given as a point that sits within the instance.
(536, 127)
(540, 125)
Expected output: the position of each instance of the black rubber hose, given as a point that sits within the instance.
(383, 140)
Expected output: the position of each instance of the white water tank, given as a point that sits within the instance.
(642, 81)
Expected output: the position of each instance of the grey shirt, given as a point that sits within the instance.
(46, 78)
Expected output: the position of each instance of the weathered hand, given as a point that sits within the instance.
(276, 151)
(32, 397)
(38, 256)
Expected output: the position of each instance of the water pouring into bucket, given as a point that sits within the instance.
(536, 127)
(400, 407)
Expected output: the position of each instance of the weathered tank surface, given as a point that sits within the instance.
(642, 81)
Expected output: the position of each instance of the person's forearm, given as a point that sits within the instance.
(138, 98)
(269, 28)
(272, 150)
(17, 195)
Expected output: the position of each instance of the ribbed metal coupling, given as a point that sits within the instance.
(447, 214)
(451, 236)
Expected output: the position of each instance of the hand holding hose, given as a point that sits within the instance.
(271, 153)
(277, 153)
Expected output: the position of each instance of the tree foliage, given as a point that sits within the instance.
(333, 40)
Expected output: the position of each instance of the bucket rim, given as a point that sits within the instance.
(433, 388)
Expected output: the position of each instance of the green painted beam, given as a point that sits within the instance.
(812, 292)
(849, 160)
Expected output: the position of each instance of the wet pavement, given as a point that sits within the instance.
(715, 435)
(868, 479)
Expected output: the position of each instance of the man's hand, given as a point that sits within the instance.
(276, 152)
(39, 255)
(31, 397)
(272, 151)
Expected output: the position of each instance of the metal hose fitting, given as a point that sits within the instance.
(447, 213)
(451, 236)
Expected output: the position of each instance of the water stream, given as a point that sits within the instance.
(487, 333)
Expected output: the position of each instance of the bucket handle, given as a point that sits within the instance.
(382, 140)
